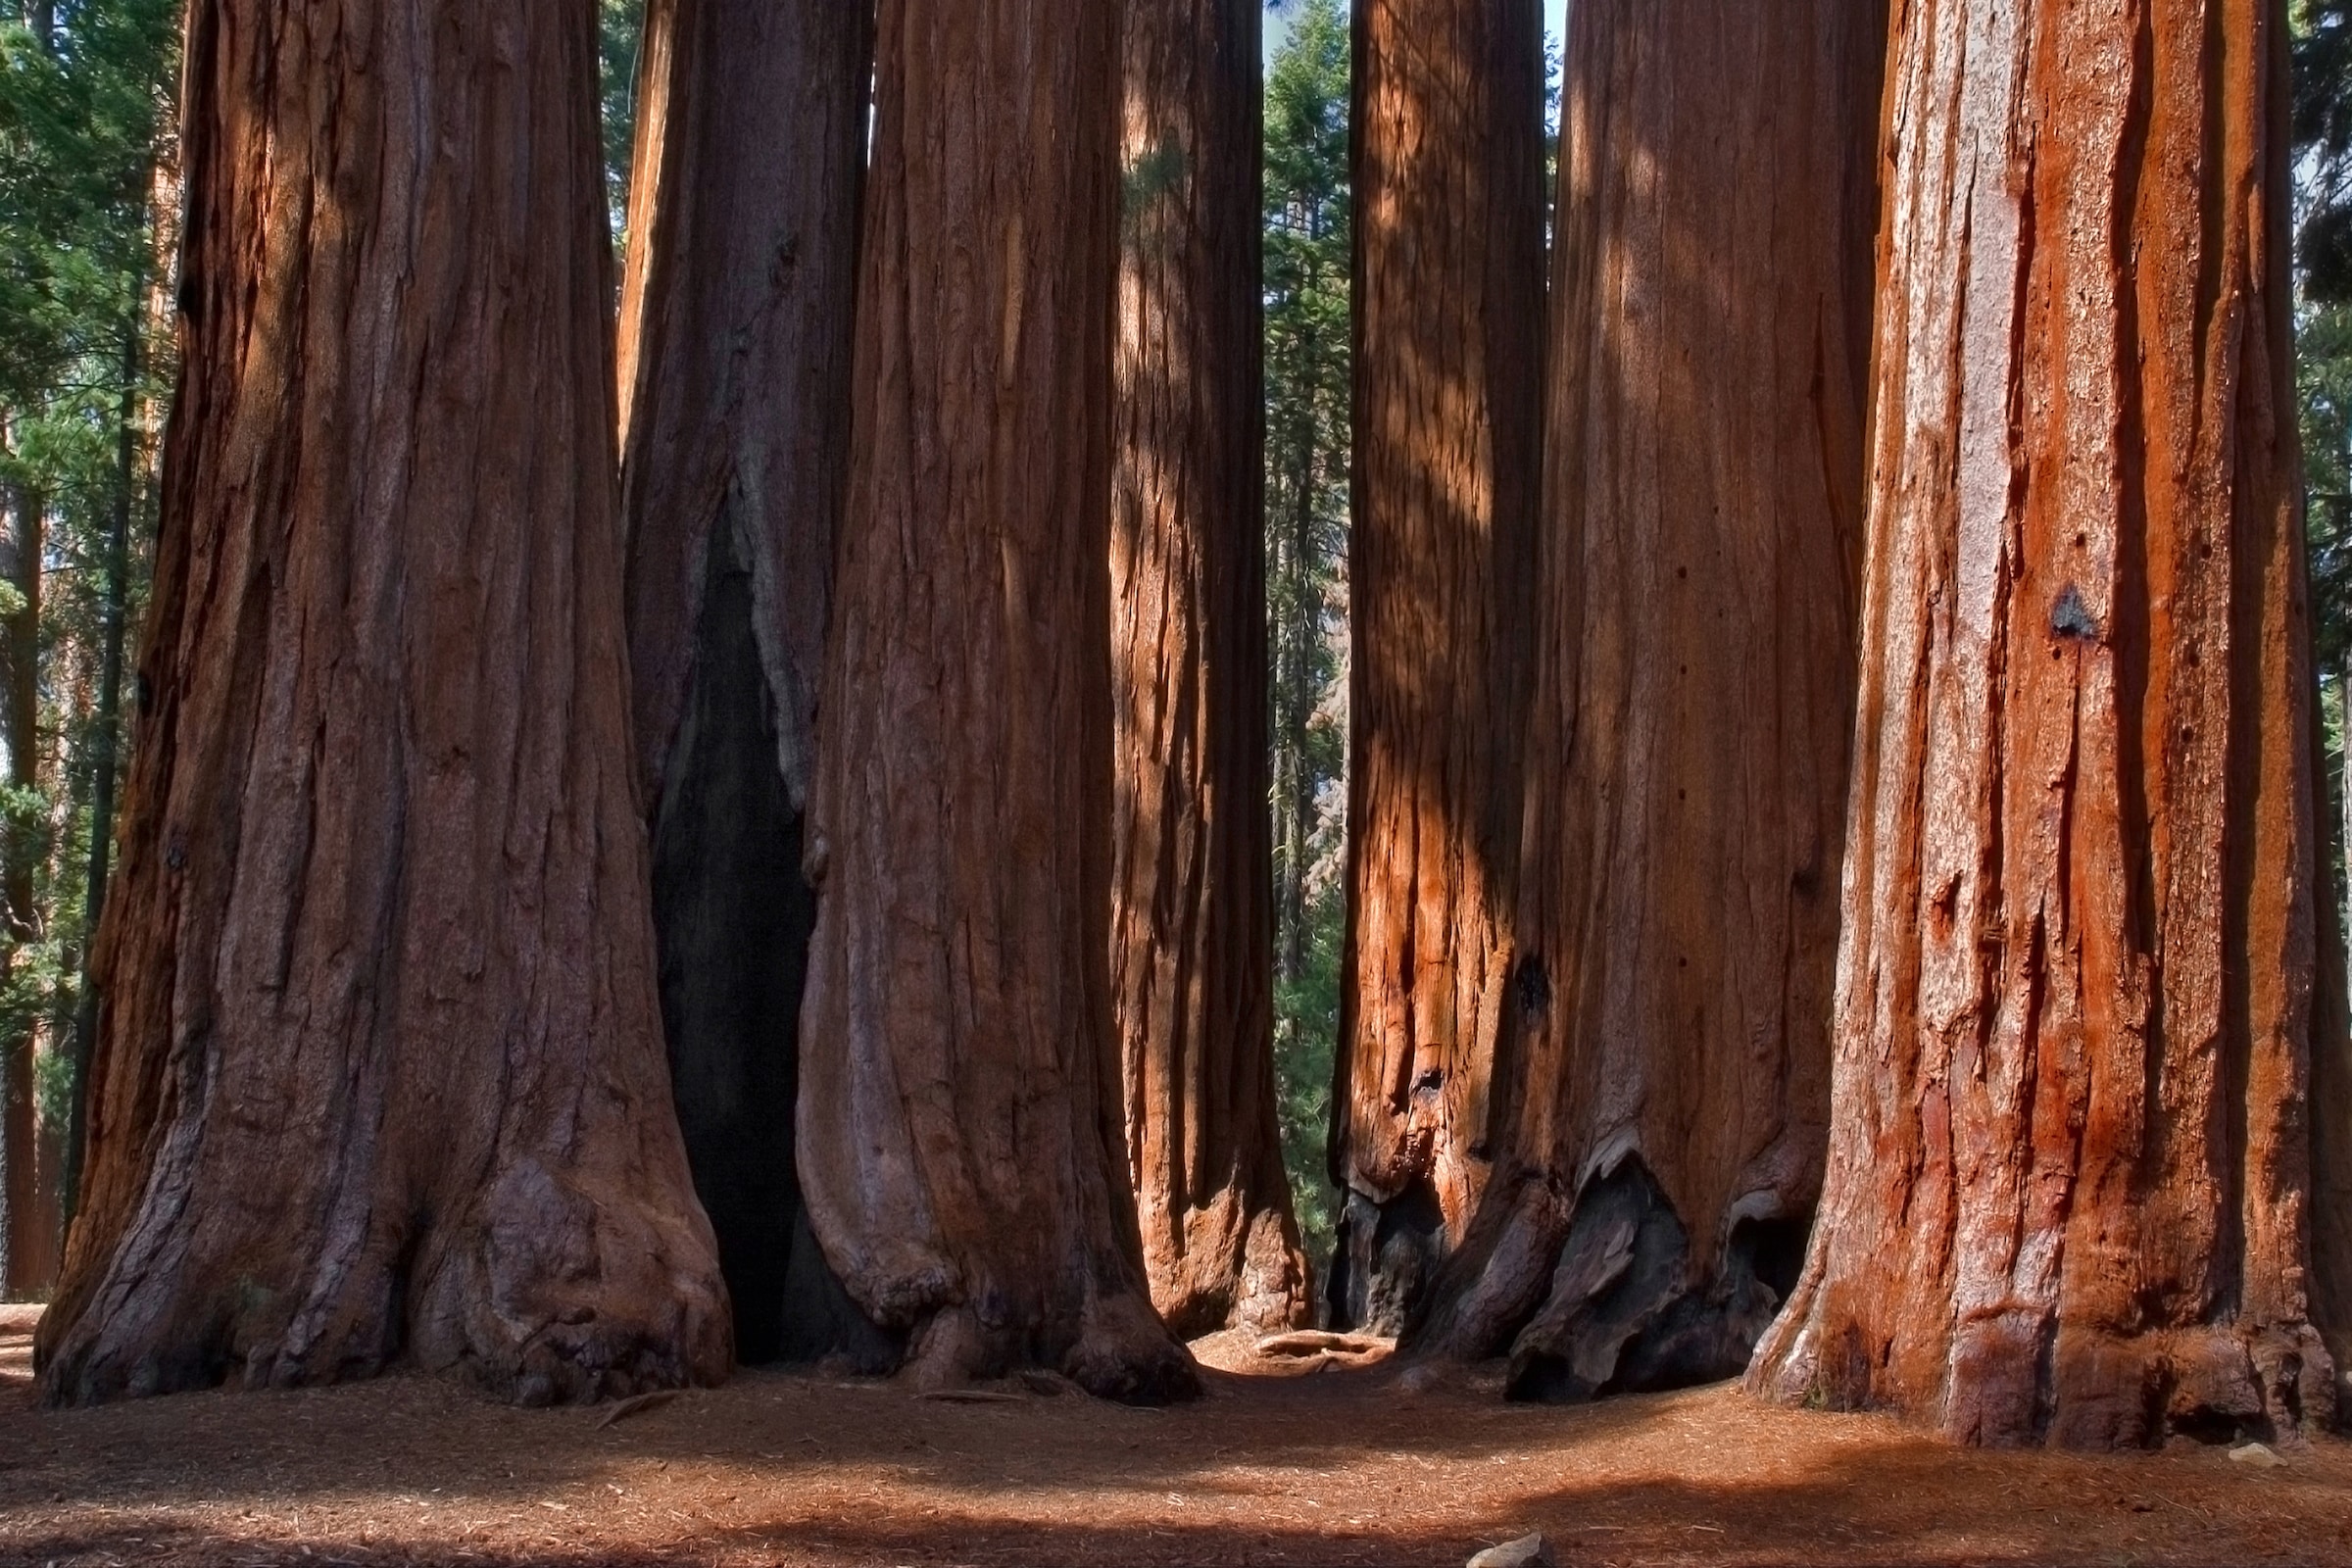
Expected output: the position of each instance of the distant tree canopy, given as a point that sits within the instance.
(2323, 134)
(1309, 218)
(87, 138)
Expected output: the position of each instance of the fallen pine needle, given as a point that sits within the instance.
(636, 1406)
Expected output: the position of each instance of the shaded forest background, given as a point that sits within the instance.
(88, 200)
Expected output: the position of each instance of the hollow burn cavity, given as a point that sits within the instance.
(1626, 1312)
(1770, 1251)
(1385, 1261)
(734, 916)
(1535, 986)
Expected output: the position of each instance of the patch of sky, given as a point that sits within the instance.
(1277, 22)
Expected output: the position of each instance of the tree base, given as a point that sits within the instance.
(1603, 1296)
(1241, 1269)
(554, 1297)
(2015, 1380)
(1123, 1353)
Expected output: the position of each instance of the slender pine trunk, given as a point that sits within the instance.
(104, 750)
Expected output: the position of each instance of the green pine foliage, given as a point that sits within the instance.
(619, 23)
(2321, 121)
(1308, 372)
(86, 123)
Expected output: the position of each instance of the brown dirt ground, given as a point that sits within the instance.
(1342, 1467)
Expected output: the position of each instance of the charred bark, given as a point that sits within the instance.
(2069, 1162)
(963, 1151)
(1666, 1108)
(379, 1073)
(1192, 855)
(735, 354)
(1448, 168)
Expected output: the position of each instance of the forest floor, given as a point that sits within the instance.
(1343, 1467)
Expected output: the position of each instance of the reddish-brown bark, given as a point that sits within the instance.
(1665, 1106)
(961, 1149)
(735, 342)
(1448, 169)
(2069, 1163)
(45, 1232)
(379, 1074)
(1192, 856)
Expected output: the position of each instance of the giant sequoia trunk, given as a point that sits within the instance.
(2069, 1155)
(1449, 163)
(1662, 1127)
(735, 386)
(1192, 858)
(961, 1147)
(379, 1068)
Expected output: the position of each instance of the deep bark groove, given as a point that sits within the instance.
(378, 1071)
(2069, 1159)
(736, 340)
(1449, 170)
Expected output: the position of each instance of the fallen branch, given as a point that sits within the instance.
(1315, 1342)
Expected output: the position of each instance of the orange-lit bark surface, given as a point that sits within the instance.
(380, 1073)
(1449, 164)
(2068, 1156)
(736, 335)
(1191, 858)
(1665, 1089)
(962, 1151)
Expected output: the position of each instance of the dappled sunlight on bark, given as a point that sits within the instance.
(1449, 311)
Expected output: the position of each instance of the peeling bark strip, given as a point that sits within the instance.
(1666, 1105)
(1192, 957)
(735, 350)
(380, 1069)
(2068, 1160)
(961, 1140)
(1448, 168)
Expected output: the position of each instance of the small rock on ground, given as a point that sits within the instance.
(1528, 1552)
